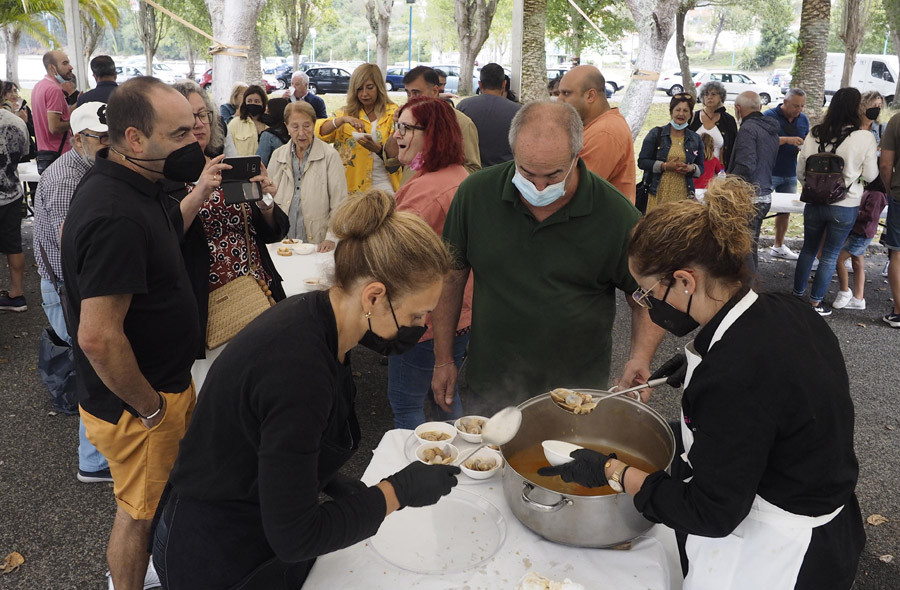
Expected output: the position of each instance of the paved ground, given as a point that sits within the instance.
(61, 526)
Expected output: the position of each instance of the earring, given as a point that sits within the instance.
(369, 313)
(685, 291)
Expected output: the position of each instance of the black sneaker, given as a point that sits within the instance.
(892, 319)
(8, 303)
(102, 476)
(823, 310)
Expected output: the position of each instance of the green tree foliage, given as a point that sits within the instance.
(877, 30)
(774, 18)
(568, 28)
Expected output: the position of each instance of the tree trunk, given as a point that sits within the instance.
(577, 33)
(854, 16)
(719, 27)
(895, 36)
(687, 81)
(147, 25)
(655, 21)
(190, 58)
(812, 48)
(534, 56)
(379, 14)
(239, 28)
(92, 31)
(473, 24)
(296, 20)
(254, 58)
(11, 38)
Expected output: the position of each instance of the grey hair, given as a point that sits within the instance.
(216, 138)
(748, 100)
(794, 92)
(713, 86)
(559, 113)
(301, 75)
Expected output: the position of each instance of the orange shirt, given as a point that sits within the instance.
(608, 151)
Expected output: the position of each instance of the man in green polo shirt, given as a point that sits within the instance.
(546, 240)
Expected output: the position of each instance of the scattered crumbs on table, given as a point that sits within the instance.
(527, 563)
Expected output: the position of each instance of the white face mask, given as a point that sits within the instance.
(542, 198)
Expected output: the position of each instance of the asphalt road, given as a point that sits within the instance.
(60, 525)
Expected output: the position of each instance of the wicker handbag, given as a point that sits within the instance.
(234, 305)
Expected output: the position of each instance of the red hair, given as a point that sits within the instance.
(443, 137)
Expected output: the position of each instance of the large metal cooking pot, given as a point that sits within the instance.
(585, 521)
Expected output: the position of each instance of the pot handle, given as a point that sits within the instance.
(526, 489)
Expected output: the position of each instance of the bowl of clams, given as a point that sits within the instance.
(483, 464)
(469, 428)
(437, 453)
(435, 432)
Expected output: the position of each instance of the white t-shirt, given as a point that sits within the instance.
(718, 139)
(380, 178)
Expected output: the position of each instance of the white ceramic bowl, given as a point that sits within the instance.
(557, 451)
(485, 453)
(436, 427)
(304, 248)
(444, 446)
(472, 438)
(315, 284)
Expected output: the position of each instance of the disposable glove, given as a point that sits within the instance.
(586, 469)
(418, 484)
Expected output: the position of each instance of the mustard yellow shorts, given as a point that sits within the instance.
(139, 459)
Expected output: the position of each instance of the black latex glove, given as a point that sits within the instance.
(343, 485)
(673, 369)
(418, 484)
(586, 469)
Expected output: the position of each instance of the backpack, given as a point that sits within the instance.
(824, 180)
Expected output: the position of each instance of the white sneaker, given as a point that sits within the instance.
(842, 299)
(151, 579)
(848, 265)
(783, 252)
(884, 271)
(855, 303)
(815, 264)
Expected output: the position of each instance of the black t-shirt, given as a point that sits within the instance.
(118, 239)
(273, 424)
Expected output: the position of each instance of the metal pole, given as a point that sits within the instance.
(314, 50)
(887, 36)
(367, 51)
(409, 54)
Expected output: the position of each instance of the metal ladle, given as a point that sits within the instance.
(649, 385)
(498, 430)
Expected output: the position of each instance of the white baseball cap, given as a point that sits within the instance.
(90, 115)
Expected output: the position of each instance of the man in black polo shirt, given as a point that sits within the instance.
(546, 240)
(133, 312)
(104, 69)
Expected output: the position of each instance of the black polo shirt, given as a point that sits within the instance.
(118, 239)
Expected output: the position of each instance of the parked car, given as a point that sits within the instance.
(672, 83)
(453, 77)
(737, 82)
(206, 82)
(328, 79)
(283, 80)
(611, 86)
(777, 76)
(125, 73)
(394, 78)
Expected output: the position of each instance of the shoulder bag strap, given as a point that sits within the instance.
(250, 261)
(62, 144)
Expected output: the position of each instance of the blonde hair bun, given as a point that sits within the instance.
(363, 214)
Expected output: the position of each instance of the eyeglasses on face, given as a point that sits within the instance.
(401, 128)
(640, 296)
(103, 139)
(203, 116)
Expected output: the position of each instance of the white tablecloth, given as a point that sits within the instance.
(28, 172)
(784, 203)
(294, 270)
(652, 562)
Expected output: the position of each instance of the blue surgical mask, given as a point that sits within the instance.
(60, 79)
(537, 198)
(677, 126)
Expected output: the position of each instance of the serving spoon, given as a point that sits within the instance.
(574, 402)
(498, 430)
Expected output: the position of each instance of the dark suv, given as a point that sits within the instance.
(328, 79)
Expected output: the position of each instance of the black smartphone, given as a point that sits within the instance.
(235, 185)
(242, 168)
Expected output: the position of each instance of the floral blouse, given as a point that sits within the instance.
(357, 159)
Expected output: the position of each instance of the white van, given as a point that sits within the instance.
(871, 72)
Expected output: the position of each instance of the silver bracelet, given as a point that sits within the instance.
(158, 410)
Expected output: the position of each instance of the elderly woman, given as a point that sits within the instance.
(368, 111)
(713, 120)
(430, 142)
(245, 128)
(215, 247)
(672, 156)
(763, 494)
(276, 134)
(309, 178)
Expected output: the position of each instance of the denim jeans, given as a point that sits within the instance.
(409, 382)
(762, 209)
(89, 458)
(834, 223)
(784, 184)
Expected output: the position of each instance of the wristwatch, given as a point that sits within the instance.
(616, 480)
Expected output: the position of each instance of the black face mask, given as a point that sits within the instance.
(185, 164)
(677, 322)
(254, 110)
(266, 119)
(872, 113)
(406, 338)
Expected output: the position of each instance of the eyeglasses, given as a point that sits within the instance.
(103, 139)
(203, 117)
(640, 296)
(401, 128)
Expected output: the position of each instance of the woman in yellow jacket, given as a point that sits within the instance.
(369, 111)
(245, 127)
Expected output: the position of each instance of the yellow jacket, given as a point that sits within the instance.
(243, 134)
(357, 159)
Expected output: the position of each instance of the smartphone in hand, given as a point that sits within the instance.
(236, 184)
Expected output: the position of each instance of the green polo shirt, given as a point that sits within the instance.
(544, 300)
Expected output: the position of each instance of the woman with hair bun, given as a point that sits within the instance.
(275, 419)
(761, 491)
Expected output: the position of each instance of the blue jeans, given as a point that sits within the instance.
(784, 184)
(89, 458)
(834, 223)
(409, 382)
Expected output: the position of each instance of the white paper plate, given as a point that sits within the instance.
(460, 532)
(412, 443)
